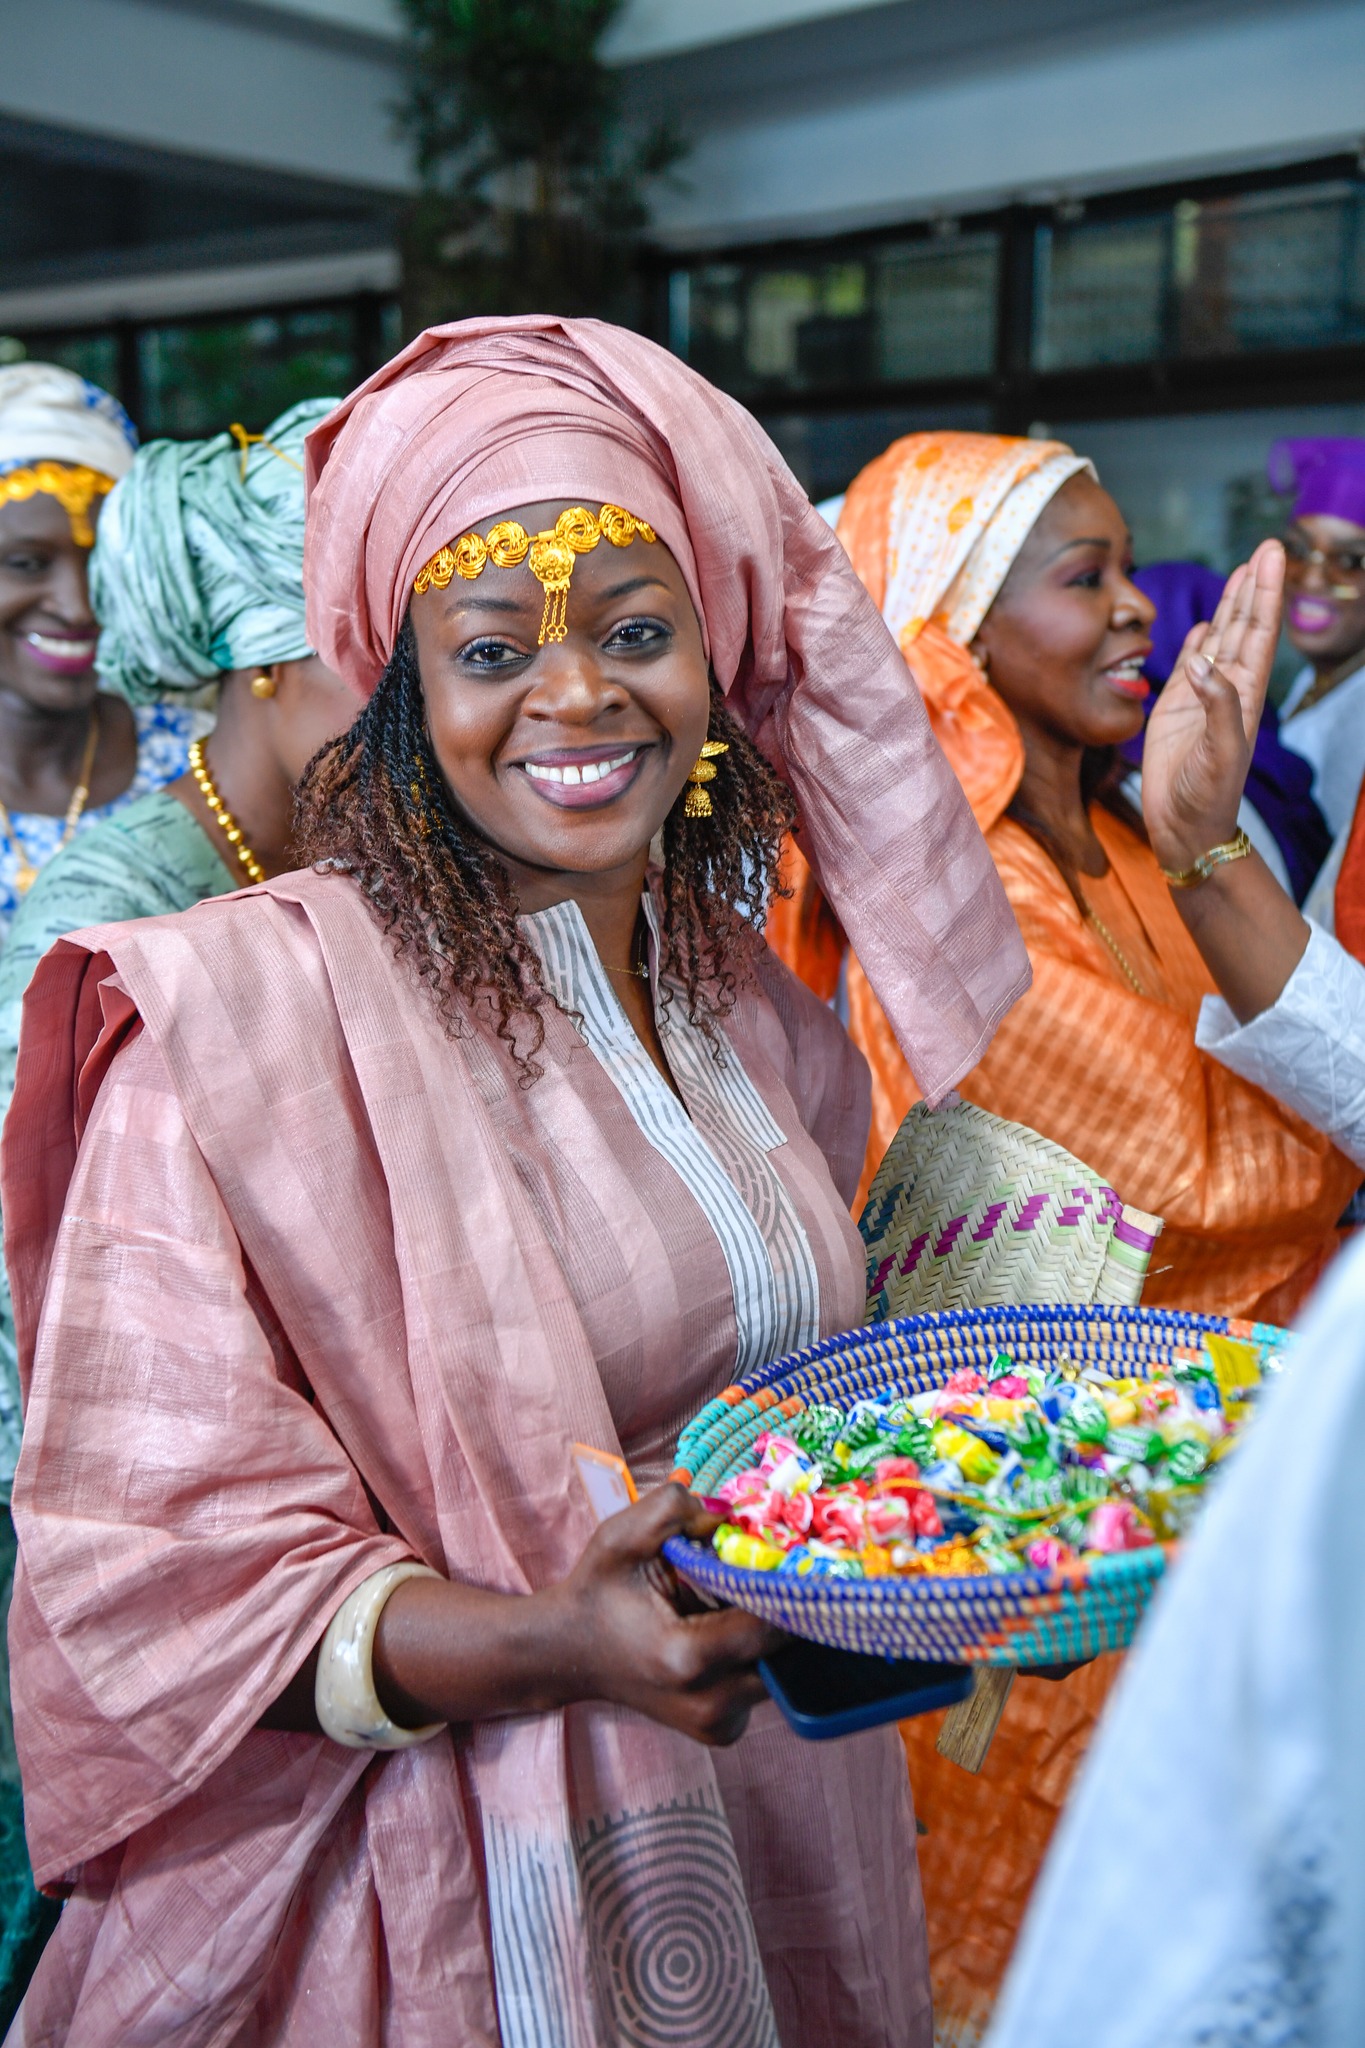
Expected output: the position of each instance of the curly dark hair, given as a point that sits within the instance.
(374, 804)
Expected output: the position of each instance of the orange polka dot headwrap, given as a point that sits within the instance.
(933, 527)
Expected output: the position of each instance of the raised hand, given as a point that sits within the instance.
(1203, 726)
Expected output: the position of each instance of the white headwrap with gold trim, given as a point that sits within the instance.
(50, 414)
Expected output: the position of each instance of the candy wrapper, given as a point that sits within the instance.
(994, 1471)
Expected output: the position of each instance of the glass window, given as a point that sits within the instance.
(1100, 292)
(198, 378)
(827, 449)
(391, 334)
(936, 309)
(781, 302)
(906, 312)
(93, 356)
(1270, 270)
(1244, 274)
(707, 322)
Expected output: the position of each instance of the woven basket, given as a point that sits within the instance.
(1021, 1618)
(967, 1209)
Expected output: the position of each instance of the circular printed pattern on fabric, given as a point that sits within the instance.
(671, 1931)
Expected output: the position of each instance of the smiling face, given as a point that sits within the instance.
(565, 758)
(47, 629)
(1066, 638)
(1325, 585)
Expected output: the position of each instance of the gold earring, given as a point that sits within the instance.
(698, 803)
(263, 685)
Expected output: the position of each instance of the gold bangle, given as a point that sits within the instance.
(1216, 857)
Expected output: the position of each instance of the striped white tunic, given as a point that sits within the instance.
(717, 1139)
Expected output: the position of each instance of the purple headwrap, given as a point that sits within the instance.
(1326, 473)
(1279, 783)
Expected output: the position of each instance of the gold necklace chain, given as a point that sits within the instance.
(222, 816)
(639, 967)
(1112, 943)
(25, 873)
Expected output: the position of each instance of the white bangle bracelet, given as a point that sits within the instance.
(348, 1707)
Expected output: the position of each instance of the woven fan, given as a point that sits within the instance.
(969, 1211)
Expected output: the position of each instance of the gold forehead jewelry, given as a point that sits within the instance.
(552, 555)
(73, 486)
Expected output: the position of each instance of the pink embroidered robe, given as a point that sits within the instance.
(305, 1286)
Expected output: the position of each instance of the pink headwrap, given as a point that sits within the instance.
(483, 416)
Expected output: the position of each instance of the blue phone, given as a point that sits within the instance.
(825, 1693)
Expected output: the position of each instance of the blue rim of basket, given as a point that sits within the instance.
(1025, 1312)
(685, 1553)
(933, 1590)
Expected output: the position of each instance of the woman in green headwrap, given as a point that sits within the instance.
(196, 578)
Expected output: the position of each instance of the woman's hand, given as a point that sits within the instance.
(1194, 769)
(1203, 726)
(624, 1639)
(614, 1629)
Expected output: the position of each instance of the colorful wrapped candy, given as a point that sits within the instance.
(1007, 1470)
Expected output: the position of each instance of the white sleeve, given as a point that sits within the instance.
(1205, 1882)
(1308, 1050)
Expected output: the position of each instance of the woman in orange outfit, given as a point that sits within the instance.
(1002, 567)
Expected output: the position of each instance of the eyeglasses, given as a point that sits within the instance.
(1347, 562)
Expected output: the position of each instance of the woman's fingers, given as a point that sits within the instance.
(1250, 597)
(728, 1639)
(720, 1716)
(1227, 643)
(640, 1531)
(693, 1671)
(1203, 725)
(1265, 605)
(1244, 633)
(714, 1702)
(1222, 616)
(1198, 640)
(1221, 701)
(1248, 654)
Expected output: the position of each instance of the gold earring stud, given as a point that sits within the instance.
(263, 685)
(698, 802)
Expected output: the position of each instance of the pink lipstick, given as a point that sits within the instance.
(1312, 615)
(62, 655)
(582, 778)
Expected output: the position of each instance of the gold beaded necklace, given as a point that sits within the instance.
(1112, 943)
(25, 873)
(222, 816)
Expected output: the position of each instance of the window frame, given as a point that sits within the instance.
(1018, 393)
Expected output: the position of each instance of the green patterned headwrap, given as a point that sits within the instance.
(198, 560)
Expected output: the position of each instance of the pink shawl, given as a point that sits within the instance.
(476, 418)
(281, 1271)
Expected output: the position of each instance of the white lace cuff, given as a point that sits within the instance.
(1309, 1048)
(348, 1707)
